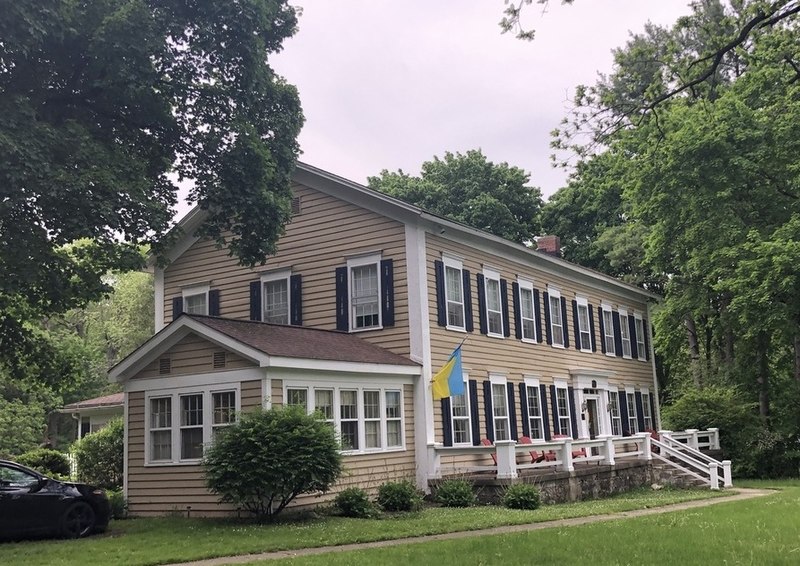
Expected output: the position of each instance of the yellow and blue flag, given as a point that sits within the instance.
(449, 380)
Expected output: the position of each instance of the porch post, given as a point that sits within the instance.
(714, 438)
(506, 459)
(693, 442)
(646, 451)
(608, 448)
(713, 472)
(566, 456)
(726, 474)
(434, 462)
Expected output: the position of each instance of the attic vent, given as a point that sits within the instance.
(295, 205)
(218, 360)
(164, 366)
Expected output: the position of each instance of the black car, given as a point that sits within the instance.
(31, 503)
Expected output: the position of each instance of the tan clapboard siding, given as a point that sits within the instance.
(483, 355)
(193, 355)
(316, 242)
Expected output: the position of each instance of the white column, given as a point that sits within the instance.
(712, 471)
(693, 442)
(566, 456)
(646, 450)
(713, 438)
(608, 449)
(434, 462)
(506, 459)
(726, 473)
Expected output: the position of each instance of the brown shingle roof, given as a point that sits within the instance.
(301, 342)
(104, 401)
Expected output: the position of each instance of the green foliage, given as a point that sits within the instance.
(46, 461)
(521, 496)
(456, 493)
(100, 456)
(99, 103)
(22, 425)
(354, 502)
(270, 457)
(470, 189)
(399, 496)
(119, 505)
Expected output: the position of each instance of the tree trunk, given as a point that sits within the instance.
(797, 358)
(762, 379)
(694, 349)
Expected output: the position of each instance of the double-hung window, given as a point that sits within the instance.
(646, 411)
(500, 419)
(191, 426)
(625, 333)
(494, 309)
(195, 299)
(534, 409)
(641, 349)
(613, 411)
(459, 407)
(365, 292)
(584, 337)
(349, 419)
(562, 423)
(394, 419)
(608, 331)
(276, 296)
(454, 293)
(556, 318)
(527, 310)
(633, 418)
(160, 429)
(224, 411)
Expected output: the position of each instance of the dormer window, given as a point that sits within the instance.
(195, 299)
(276, 296)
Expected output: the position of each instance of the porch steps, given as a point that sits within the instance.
(669, 474)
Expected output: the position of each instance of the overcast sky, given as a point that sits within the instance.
(388, 84)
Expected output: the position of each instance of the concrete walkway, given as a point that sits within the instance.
(741, 494)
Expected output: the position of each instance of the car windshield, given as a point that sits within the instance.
(13, 478)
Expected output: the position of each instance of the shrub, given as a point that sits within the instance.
(521, 496)
(399, 496)
(456, 493)
(99, 456)
(270, 457)
(119, 505)
(47, 461)
(354, 502)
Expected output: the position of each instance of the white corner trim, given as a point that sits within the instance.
(158, 286)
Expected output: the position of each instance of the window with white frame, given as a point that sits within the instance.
(500, 419)
(633, 417)
(584, 328)
(202, 414)
(494, 310)
(195, 299)
(556, 320)
(614, 414)
(527, 311)
(641, 349)
(365, 292)
(460, 417)
(625, 333)
(275, 303)
(646, 411)
(563, 425)
(608, 331)
(366, 419)
(454, 293)
(534, 409)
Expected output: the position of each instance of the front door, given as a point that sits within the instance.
(592, 415)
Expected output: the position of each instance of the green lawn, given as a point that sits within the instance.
(760, 531)
(160, 541)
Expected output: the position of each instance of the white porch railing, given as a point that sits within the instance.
(507, 458)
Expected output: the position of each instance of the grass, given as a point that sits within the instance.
(756, 531)
(165, 540)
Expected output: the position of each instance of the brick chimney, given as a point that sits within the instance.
(549, 244)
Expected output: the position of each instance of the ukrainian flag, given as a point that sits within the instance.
(449, 380)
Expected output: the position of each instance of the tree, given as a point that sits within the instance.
(99, 103)
(100, 456)
(470, 189)
(270, 457)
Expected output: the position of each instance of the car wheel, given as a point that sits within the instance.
(78, 520)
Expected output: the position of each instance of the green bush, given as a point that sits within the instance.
(354, 502)
(456, 493)
(99, 456)
(521, 496)
(270, 457)
(46, 461)
(399, 496)
(119, 505)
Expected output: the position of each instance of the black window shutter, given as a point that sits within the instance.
(576, 325)
(523, 410)
(296, 293)
(602, 329)
(482, 304)
(447, 423)
(564, 321)
(632, 334)
(640, 411)
(617, 334)
(487, 409)
(469, 325)
(554, 404)
(572, 414)
(546, 301)
(545, 417)
(590, 308)
(504, 307)
(441, 307)
(342, 304)
(474, 421)
(622, 401)
(512, 410)
(177, 307)
(255, 300)
(213, 302)
(517, 312)
(387, 292)
(537, 311)
(653, 410)
(646, 330)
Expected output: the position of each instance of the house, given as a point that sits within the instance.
(365, 299)
(93, 414)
